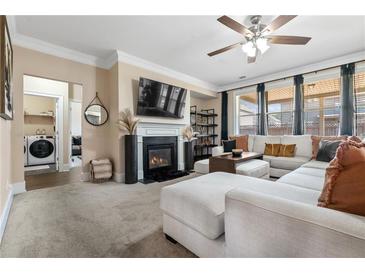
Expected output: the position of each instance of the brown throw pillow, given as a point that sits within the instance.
(241, 142)
(272, 149)
(355, 139)
(317, 139)
(344, 187)
(287, 150)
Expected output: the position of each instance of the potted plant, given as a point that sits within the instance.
(188, 135)
(128, 123)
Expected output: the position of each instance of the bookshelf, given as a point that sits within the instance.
(204, 122)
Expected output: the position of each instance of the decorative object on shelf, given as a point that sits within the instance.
(237, 152)
(96, 113)
(203, 123)
(100, 170)
(6, 71)
(188, 135)
(128, 123)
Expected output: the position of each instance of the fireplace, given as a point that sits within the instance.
(159, 157)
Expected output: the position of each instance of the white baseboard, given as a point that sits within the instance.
(119, 177)
(17, 188)
(14, 189)
(5, 214)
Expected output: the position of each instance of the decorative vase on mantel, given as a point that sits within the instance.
(188, 136)
(128, 123)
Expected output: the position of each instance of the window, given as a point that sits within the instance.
(248, 113)
(322, 107)
(359, 100)
(280, 110)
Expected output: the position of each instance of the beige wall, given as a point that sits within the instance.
(33, 107)
(75, 92)
(128, 79)
(92, 79)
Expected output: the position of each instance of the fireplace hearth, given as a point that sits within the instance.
(160, 156)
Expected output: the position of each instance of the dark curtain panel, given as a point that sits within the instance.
(262, 129)
(298, 126)
(347, 99)
(224, 128)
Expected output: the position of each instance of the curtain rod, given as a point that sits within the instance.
(289, 76)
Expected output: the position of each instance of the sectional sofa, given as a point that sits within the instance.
(230, 215)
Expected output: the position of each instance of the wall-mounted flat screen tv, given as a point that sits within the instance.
(160, 99)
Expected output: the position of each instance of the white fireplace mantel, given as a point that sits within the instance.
(159, 129)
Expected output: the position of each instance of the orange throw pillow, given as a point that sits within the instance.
(355, 139)
(241, 142)
(317, 139)
(287, 150)
(272, 149)
(344, 187)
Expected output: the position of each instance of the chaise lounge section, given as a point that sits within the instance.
(230, 215)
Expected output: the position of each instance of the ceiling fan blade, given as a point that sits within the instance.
(224, 49)
(232, 24)
(288, 40)
(277, 23)
(251, 59)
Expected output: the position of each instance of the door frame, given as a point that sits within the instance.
(70, 127)
(58, 124)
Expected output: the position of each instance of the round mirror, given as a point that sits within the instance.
(96, 115)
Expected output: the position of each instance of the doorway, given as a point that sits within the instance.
(52, 132)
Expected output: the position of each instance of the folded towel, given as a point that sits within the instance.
(100, 162)
(104, 175)
(102, 168)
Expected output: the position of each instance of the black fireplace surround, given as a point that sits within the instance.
(159, 157)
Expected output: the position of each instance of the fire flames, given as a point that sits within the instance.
(157, 161)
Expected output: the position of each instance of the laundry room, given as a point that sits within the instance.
(52, 132)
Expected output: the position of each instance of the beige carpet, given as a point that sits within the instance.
(89, 220)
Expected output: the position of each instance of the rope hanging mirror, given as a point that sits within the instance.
(96, 113)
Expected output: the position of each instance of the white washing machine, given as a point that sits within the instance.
(41, 150)
(25, 150)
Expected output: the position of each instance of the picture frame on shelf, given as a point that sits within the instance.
(6, 71)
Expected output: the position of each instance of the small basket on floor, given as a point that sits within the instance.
(100, 170)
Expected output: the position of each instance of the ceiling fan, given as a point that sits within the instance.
(257, 36)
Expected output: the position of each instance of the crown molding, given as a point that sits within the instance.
(328, 63)
(105, 63)
(139, 62)
(55, 50)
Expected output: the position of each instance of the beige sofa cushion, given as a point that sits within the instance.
(299, 179)
(303, 144)
(289, 163)
(316, 164)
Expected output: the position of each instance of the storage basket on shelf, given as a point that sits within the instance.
(100, 170)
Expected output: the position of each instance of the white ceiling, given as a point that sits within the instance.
(181, 43)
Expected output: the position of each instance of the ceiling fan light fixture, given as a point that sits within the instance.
(262, 44)
(249, 49)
